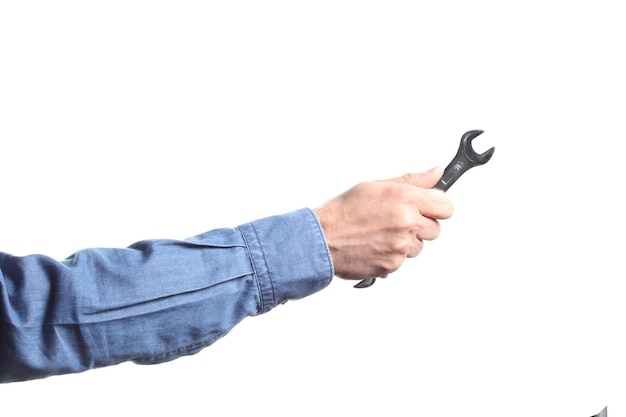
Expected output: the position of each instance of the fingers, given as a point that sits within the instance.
(415, 249)
(426, 179)
(434, 204)
(427, 229)
(430, 202)
(409, 247)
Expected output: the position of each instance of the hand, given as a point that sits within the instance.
(374, 226)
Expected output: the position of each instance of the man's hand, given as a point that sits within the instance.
(375, 225)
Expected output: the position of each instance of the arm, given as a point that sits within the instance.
(155, 300)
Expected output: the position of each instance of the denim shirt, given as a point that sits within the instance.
(155, 300)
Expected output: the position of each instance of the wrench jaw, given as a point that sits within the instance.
(470, 153)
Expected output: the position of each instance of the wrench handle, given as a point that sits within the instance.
(453, 172)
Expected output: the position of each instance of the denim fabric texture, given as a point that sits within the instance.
(155, 300)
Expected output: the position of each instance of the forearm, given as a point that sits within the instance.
(155, 300)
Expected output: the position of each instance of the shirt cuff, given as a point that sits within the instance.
(289, 255)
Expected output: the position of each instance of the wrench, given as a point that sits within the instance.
(464, 159)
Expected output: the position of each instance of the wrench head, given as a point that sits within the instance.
(470, 153)
(367, 282)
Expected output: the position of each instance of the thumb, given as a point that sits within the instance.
(426, 179)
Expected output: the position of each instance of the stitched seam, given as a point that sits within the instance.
(269, 274)
(320, 233)
(254, 271)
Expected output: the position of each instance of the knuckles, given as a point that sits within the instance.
(391, 263)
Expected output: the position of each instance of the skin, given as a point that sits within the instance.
(374, 226)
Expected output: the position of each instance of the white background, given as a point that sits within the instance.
(125, 120)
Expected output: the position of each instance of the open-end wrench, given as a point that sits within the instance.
(464, 159)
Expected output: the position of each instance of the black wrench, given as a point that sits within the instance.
(464, 159)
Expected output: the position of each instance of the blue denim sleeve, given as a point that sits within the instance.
(155, 300)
